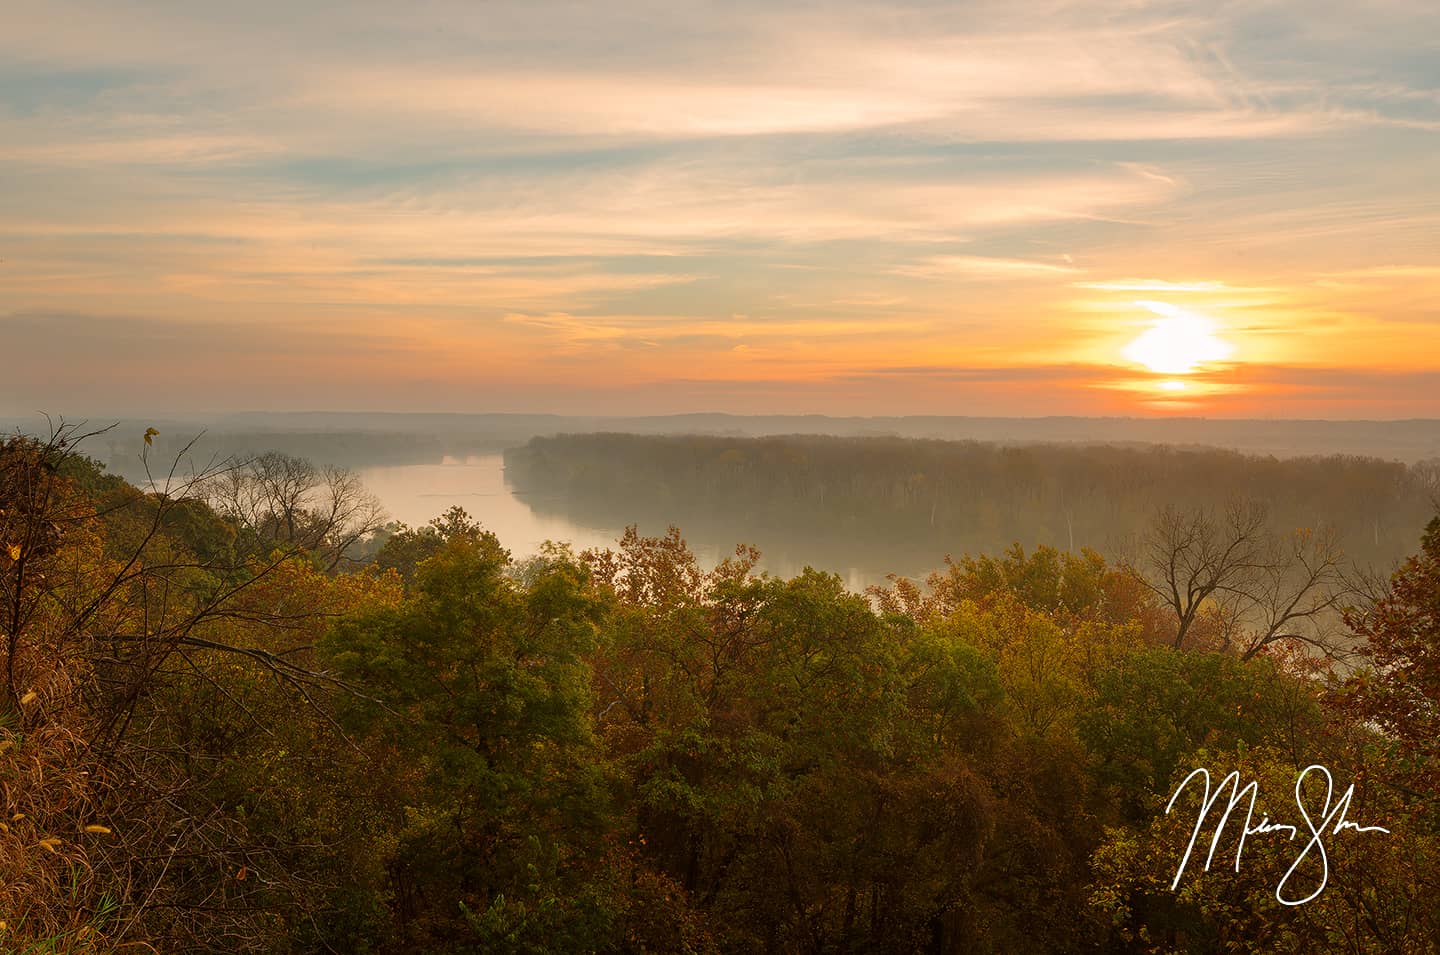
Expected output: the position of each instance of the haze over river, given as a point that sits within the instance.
(415, 493)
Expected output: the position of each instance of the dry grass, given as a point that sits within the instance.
(50, 900)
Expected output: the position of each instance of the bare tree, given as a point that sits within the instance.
(1250, 586)
(291, 501)
(1291, 594)
(1188, 557)
(1427, 475)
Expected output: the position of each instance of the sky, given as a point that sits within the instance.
(636, 206)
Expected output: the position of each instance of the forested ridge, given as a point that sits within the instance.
(236, 716)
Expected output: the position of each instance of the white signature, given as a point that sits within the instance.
(1328, 815)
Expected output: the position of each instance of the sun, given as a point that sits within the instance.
(1177, 341)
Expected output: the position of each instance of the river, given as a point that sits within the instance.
(415, 493)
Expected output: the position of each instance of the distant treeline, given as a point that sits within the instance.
(348, 449)
(921, 499)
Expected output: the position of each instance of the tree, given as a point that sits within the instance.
(289, 501)
(48, 892)
(1156, 708)
(1070, 588)
(1379, 898)
(1189, 556)
(1231, 583)
(1291, 593)
(124, 618)
(481, 703)
(404, 549)
(1399, 690)
(1427, 474)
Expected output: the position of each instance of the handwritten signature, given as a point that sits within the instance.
(1328, 815)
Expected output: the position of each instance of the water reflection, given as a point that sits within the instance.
(415, 493)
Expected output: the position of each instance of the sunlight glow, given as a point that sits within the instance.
(1176, 342)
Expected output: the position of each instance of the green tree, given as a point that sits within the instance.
(481, 725)
(1153, 710)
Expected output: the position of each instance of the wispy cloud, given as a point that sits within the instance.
(983, 268)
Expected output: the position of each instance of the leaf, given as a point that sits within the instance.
(240, 876)
(14, 551)
(150, 434)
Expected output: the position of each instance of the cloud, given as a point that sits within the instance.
(1061, 375)
(1156, 285)
(600, 188)
(981, 268)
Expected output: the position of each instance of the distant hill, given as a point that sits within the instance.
(357, 439)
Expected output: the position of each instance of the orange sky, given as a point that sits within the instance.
(877, 208)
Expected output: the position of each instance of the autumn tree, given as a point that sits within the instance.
(1399, 688)
(125, 615)
(1379, 888)
(51, 817)
(1070, 588)
(406, 547)
(1153, 710)
(817, 777)
(479, 695)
